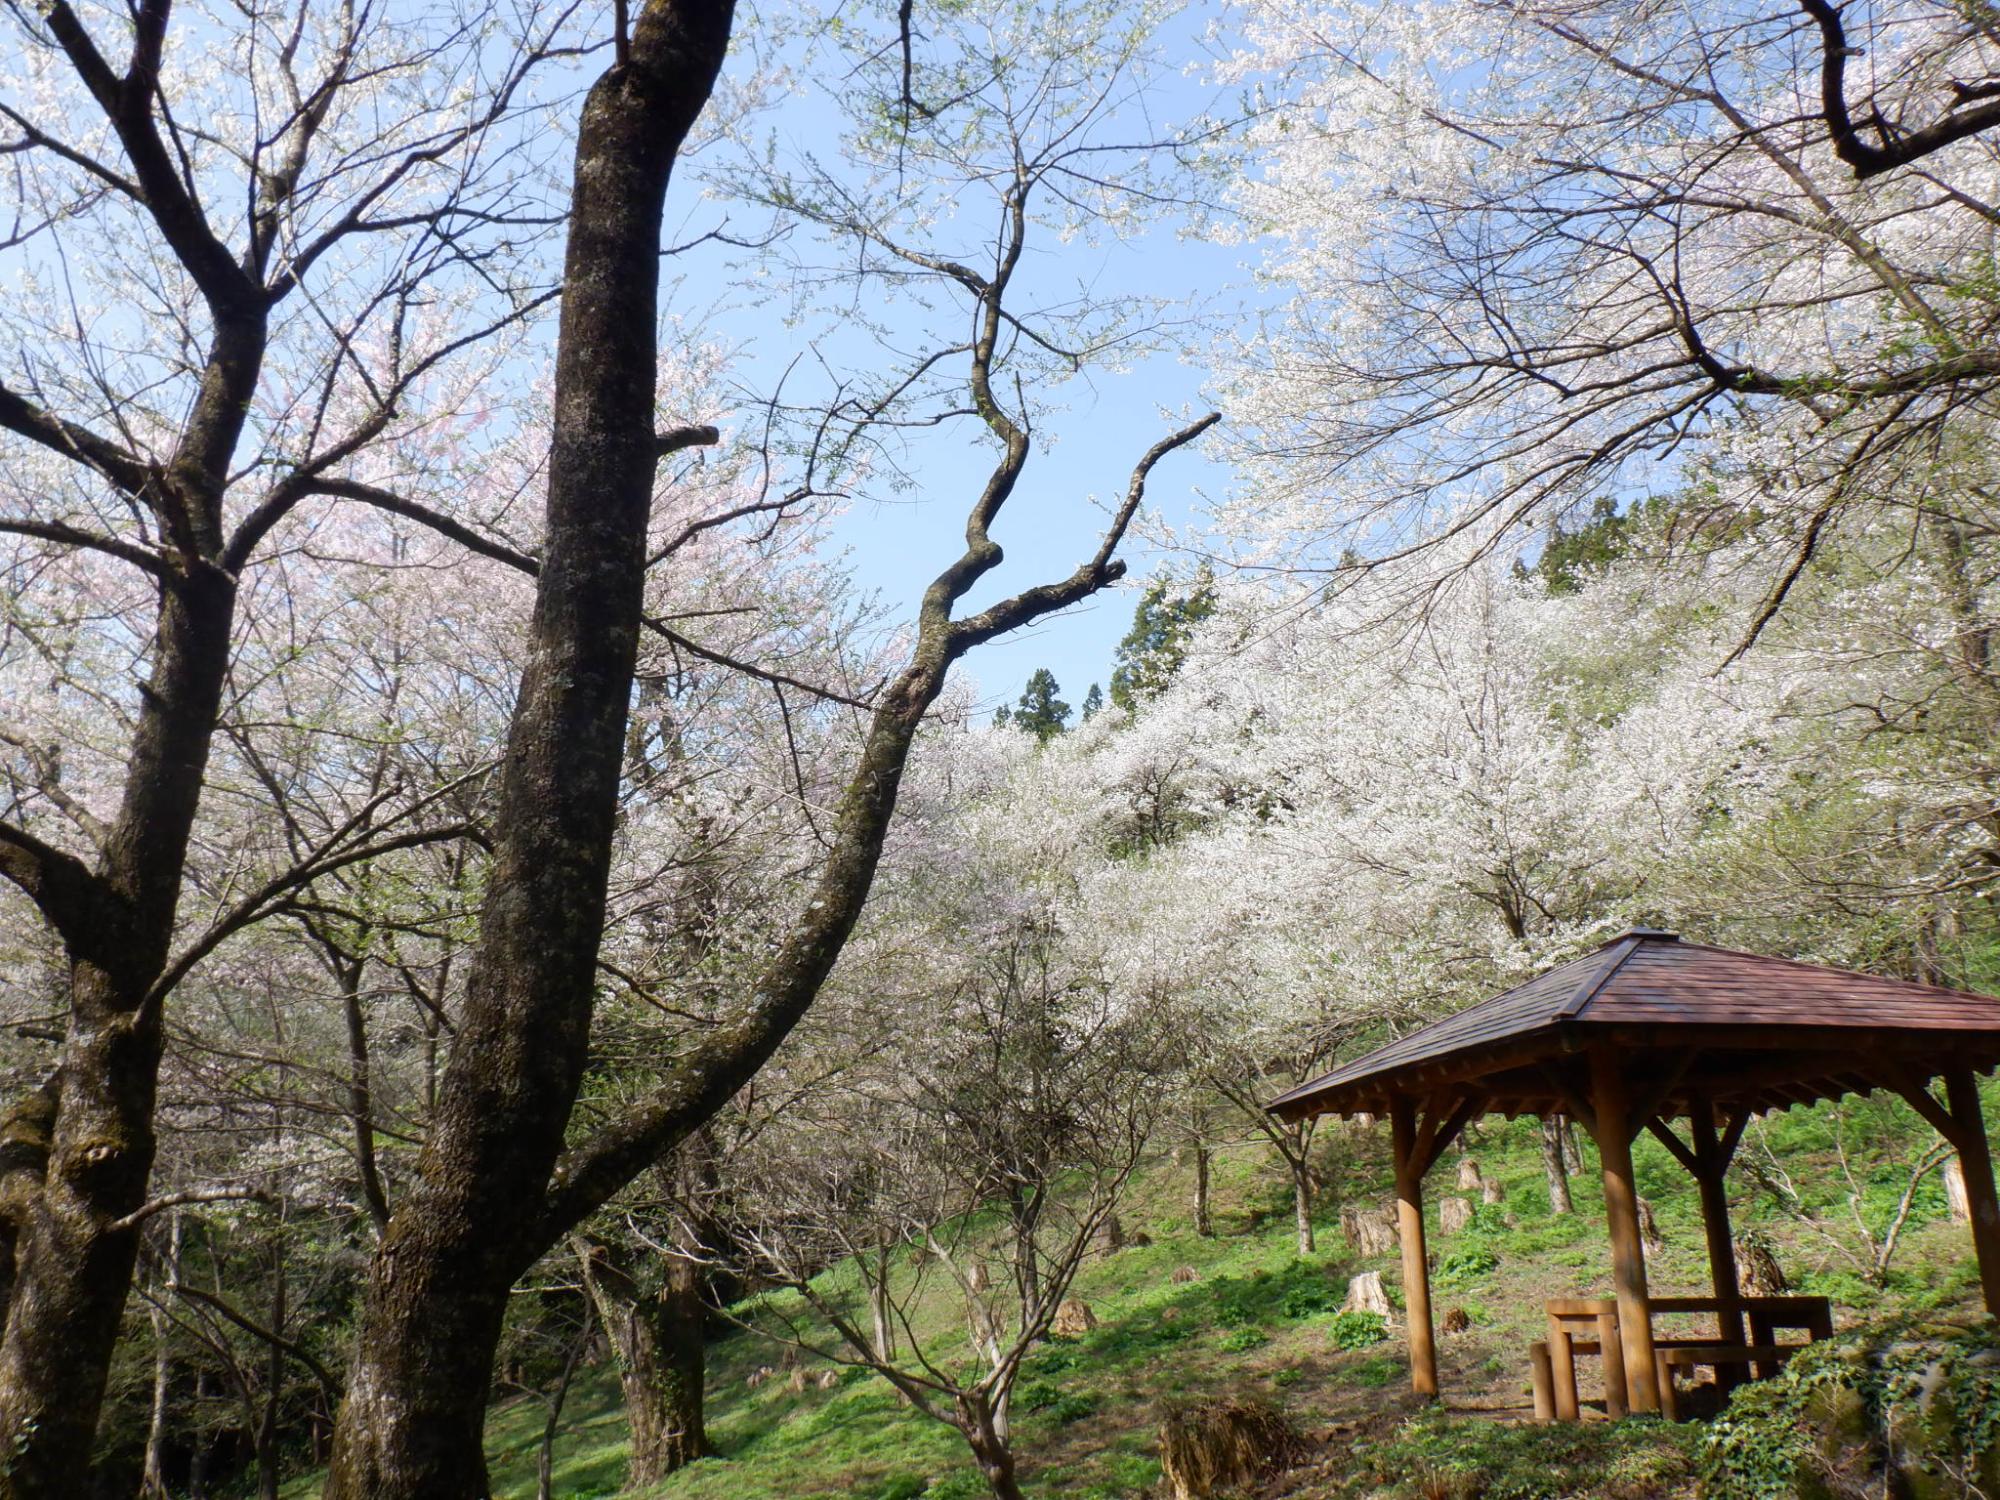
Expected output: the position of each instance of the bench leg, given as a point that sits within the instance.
(1563, 1362)
(1670, 1402)
(1761, 1334)
(1542, 1377)
(1615, 1404)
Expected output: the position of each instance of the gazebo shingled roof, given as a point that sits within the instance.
(1648, 990)
(1647, 1031)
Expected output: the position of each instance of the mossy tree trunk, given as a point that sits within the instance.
(467, 1229)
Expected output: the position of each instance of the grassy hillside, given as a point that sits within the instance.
(1259, 1322)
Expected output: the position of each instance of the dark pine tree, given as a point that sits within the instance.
(1157, 643)
(1040, 712)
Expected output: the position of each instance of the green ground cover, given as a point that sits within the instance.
(1258, 1321)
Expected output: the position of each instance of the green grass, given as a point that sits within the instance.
(1259, 1322)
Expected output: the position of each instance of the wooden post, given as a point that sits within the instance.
(1614, 1129)
(1541, 1378)
(1416, 1267)
(1711, 1176)
(1961, 1093)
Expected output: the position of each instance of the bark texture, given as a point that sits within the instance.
(72, 1260)
(658, 1332)
(411, 1422)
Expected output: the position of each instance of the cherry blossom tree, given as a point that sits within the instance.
(1546, 253)
(248, 260)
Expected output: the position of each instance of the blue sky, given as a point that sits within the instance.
(1085, 448)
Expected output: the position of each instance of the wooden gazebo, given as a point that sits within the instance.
(1648, 1030)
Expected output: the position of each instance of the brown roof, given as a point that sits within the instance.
(1740, 1028)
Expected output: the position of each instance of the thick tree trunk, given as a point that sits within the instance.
(1555, 1168)
(430, 1322)
(658, 1335)
(1204, 1225)
(73, 1266)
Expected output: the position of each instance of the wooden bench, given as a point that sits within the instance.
(1580, 1327)
(1670, 1358)
(1767, 1317)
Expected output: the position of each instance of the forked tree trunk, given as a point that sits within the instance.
(986, 1436)
(469, 1225)
(72, 1267)
(498, 1183)
(1555, 1168)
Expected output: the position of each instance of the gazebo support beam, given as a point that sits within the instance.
(1712, 1153)
(1960, 1121)
(1410, 1230)
(1615, 1127)
(1975, 1157)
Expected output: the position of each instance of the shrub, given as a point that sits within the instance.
(1463, 1267)
(903, 1487)
(1357, 1330)
(1901, 1408)
(1243, 1339)
(1310, 1299)
(1438, 1455)
(1061, 1405)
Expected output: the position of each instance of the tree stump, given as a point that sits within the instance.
(1458, 1320)
(1489, 1192)
(1954, 1191)
(1369, 1231)
(1183, 1275)
(828, 1379)
(1469, 1178)
(1072, 1318)
(1759, 1273)
(1454, 1215)
(797, 1384)
(1649, 1229)
(1365, 1293)
(1207, 1451)
(1110, 1236)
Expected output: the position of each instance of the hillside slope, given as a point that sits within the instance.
(1257, 1322)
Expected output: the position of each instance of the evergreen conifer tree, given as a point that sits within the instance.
(1157, 643)
(1040, 712)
